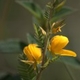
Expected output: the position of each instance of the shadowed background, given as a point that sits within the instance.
(16, 21)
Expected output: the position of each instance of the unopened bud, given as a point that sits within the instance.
(43, 31)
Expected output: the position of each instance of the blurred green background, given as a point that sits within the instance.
(16, 21)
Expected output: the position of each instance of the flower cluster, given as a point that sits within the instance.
(56, 47)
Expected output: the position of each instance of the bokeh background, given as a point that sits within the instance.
(16, 21)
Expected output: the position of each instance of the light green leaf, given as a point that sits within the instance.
(32, 7)
(12, 45)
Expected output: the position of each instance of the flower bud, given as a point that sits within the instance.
(33, 53)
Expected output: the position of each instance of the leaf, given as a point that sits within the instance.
(34, 78)
(71, 61)
(39, 35)
(60, 5)
(36, 30)
(63, 12)
(32, 7)
(30, 38)
(26, 71)
(12, 45)
(59, 23)
(60, 70)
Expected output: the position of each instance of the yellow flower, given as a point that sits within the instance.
(33, 53)
(57, 44)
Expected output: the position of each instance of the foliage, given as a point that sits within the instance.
(12, 45)
(39, 14)
(26, 71)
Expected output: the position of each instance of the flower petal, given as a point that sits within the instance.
(64, 52)
(28, 53)
(32, 52)
(58, 42)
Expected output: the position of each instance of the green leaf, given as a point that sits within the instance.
(60, 5)
(59, 23)
(39, 36)
(30, 38)
(63, 12)
(12, 45)
(32, 7)
(71, 61)
(36, 29)
(60, 70)
(26, 71)
(34, 78)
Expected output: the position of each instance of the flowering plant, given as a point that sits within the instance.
(46, 45)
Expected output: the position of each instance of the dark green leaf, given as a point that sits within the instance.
(32, 7)
(60, 5)
(60, 70)
(26, 71)
(70, 61)
(39, 36)
(59, 23)
(49, 55)
(34, 78)
(63, 12)
(30, 38)
(12, 45)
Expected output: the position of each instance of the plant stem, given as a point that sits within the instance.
(38, 76)
(43, 60)
(45, 45)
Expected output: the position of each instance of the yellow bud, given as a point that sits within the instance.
(33, 53)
